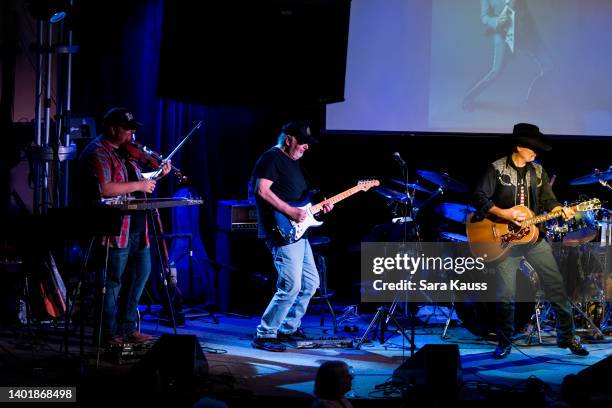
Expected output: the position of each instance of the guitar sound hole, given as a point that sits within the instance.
(513, 228)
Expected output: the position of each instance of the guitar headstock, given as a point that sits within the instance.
(365, 185)
(592, 204)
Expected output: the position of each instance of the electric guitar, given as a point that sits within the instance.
(493, 237)
(291, 231)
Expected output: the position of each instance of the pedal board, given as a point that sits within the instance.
(325, 342)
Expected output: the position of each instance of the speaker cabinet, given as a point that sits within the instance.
(172, 364)
(246, 277)
(436, 367)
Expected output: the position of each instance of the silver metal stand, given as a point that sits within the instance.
(52, 147)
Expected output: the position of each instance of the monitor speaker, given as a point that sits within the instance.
(436, 367)
(172, 364)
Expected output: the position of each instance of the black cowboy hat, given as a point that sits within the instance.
(528, 135)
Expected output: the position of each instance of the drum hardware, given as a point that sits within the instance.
(443, 181)
(392, 195)
(585, 227)
(455, 211)
(412, 186)
(452, 237)
(383, 314)
(541, 309)
(583, 273)
(448, 320)
(381, 320)
(598, 334)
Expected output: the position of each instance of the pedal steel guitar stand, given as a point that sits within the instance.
(126, 204)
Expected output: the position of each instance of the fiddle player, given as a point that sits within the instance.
(106, 170)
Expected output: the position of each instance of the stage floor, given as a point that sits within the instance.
(292, 372)
(243, 370)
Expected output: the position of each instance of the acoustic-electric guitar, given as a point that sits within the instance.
(492, 237)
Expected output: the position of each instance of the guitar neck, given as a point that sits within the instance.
(337, 198)
(544, 217)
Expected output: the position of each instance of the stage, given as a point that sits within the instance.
(240, 374)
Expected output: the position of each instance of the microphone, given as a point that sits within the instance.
(399, 159)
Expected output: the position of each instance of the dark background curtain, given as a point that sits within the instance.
(117, 65)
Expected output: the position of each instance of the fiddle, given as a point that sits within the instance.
(150, 158)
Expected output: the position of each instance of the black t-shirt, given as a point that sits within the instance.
(288, 183)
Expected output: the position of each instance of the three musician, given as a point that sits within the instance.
(105, 170)
(277, 181)
(512, 181)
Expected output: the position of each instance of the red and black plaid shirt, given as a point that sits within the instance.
(100, 163)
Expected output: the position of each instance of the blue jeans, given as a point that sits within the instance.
(126, 276)
(298, 280)
(540, 256)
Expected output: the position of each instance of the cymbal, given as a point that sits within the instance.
(593, 177)
(443, 180)
(396, 196)
(411, 185)
(455, 211)
(391, 194)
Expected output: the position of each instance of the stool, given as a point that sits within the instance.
(317, 243)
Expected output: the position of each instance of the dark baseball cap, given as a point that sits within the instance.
(120, 117)
(300, 130)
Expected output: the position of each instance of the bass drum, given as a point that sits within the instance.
(479, 317)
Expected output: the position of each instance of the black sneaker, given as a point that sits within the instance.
(295, 336)
(502, 350)
(575, 347)
(268, 344)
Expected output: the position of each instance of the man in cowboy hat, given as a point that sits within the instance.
(517, 180)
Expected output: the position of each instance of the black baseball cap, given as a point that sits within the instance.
(300, 130)
(120, 117)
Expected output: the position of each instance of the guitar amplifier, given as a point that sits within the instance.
(244, 285)
(238, 216)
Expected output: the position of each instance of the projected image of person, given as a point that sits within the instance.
(513, 181)
(512, 30)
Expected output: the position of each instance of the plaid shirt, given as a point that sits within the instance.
(100, 164)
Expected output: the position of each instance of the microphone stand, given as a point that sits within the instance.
(383, 315)
(409, 307)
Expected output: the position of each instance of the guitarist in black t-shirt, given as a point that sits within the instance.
(277, 180)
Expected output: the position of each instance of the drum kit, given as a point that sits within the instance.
(588, 290)
(583, 248)
(415, 197)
